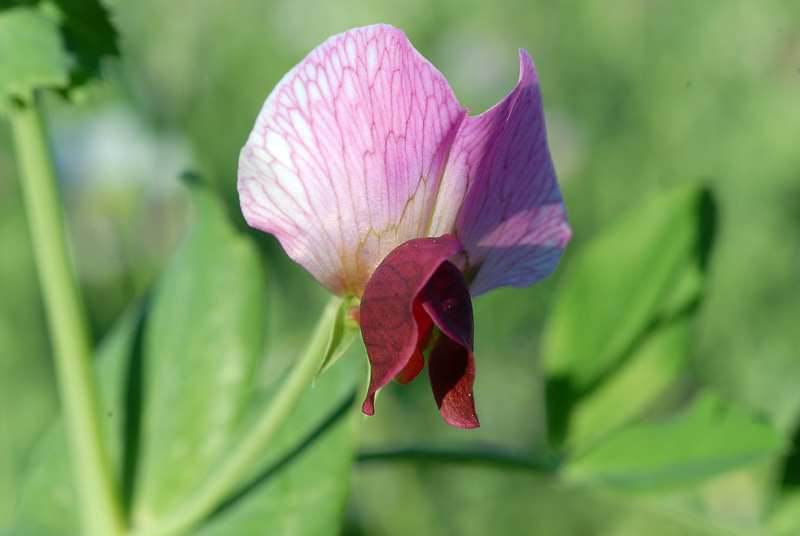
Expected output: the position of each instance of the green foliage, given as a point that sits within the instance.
(27, 391)
(785, 517)
(301, 484)
(45, 48)
(617, 341)
(89, 35)
(31, 54)
(48, 506)
(618, 332)
(202, 348)
(651, 369)
(621, 281)
(707, 438)
(178, 389)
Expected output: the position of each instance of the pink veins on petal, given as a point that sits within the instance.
(347, 153)
(363, 146)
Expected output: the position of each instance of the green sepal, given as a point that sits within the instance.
(343, 331)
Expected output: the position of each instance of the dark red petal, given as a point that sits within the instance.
(446, 299)
(451, 365)
(412, 368)
(451, 368)
(388, 325)
(417, 361)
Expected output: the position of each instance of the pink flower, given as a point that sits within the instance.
(370, 174)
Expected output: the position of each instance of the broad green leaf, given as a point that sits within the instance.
(607, 359)
(202, 346)
(305, 497)
(301, 485)
(617, 286)
(647, 372)
(31, 54)
(47, 504)
(628, 392)
(708, 438)
(27, 389)
(304, 468)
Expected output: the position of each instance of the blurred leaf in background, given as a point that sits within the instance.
(617, 335)
(27, 387)
(52, 45)
(89, 35)
(32, 52)
(708, 438)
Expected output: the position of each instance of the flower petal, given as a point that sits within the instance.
(417, 361)
(499, 192)
(346, 156)
(451, 369)
(388, 325)
(451, 365)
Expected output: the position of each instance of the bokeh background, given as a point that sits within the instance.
(639, 95)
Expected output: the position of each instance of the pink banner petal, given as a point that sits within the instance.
(346, 156)
(499, 192)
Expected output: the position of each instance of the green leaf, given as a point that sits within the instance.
(301, 485)
(182, 379)
(307, 464)
(708, 438)
(606, 356)
(89, 34)
(31, 54)
(202, 346)
(628, 392)
(47, 504)
(617, 285)
(784, 519)
(27, 389)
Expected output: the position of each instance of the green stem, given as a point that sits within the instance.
(244, 456)
(542, 462)
(98, 496)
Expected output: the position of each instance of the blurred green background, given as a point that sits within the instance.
(638, 96)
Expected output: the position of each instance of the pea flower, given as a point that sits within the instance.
(370, 174)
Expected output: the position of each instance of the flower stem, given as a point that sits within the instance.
(98, 496)
(541, 461)
(244, 456)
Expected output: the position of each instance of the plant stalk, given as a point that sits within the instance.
(98, 494)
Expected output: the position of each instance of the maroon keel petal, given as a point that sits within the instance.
(451, 365)
(451, 368)
(388, 325)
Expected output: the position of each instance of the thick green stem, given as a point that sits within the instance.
(98, 496)
(244, 456)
